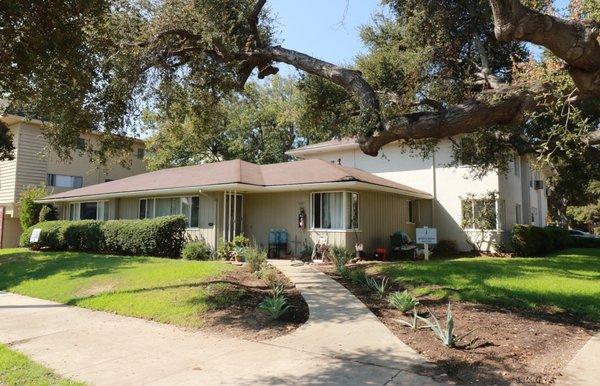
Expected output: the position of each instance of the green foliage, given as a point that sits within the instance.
(529, 240)
(162, 236)
(479, 212)
(48, 213)
(446, 335)
(584, 242)
(380, 287)
(255, 258)
(590, 213)
(196, 250)
(414, 320)
(29, 210)
(597, 231)
(278, 290)
(340, 256)
(274, 306)
(269, 275)
(358, 276)
(446, 248)
(402, 301)
(241, 241)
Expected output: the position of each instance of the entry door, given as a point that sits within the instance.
(235, 218)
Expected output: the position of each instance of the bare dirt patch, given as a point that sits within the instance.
(510, 346)
(243, 319)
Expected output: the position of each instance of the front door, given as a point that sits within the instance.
(235, 215)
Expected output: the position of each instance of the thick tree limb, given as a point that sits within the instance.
(575, 42)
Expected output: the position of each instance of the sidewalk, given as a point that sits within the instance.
(342, 343)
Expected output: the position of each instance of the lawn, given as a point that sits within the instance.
(160, 289)
(566, 281)
(17, 369)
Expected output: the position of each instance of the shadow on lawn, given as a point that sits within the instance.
(490, 281)
(26, 265)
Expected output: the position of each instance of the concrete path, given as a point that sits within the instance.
(342, 343)
(584, 368)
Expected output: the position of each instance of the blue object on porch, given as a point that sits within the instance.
(278, 239)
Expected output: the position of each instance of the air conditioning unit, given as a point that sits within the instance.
(538, 184)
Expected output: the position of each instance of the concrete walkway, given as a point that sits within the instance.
(584, 368)
(342, 343)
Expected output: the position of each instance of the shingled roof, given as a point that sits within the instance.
(237, 172)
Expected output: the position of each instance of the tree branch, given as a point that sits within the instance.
(575, 42)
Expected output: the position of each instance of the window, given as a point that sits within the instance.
(62, 181)
(413, 208)
(141, 152)
(102, 210)
(518, 214)
(479, 214)
(74, 212)
(88, 211)
(157, 207)
(335, 210)
(80, 143)
(517, 164)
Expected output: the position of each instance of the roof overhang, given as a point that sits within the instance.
(241, 188)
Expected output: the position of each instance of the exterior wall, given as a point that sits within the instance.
(433, 175)
(8, 170)
(11, 232)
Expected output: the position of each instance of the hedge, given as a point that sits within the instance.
(529, 240)
(584, 242)
(162, 236)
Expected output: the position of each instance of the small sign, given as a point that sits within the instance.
(35, 235)
(426, 236)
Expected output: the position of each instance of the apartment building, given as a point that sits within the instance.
(521, 197)
(34, 164)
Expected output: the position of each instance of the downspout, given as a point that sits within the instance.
(434, 189)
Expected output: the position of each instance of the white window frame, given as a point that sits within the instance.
(345, 195)
(518, 214)
(500, 209)
(180, 209)
(105, 204)
(416, 211)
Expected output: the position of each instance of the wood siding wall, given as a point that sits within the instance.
(8, 172)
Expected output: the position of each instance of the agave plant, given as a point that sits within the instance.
(380, 287)
(402, 301)
(413, 320)
(278, 290)
(275, 306)
(446, 335)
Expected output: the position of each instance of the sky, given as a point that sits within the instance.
(326, 29)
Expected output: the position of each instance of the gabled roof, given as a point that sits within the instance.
(242, 174)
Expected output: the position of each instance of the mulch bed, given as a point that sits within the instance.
(509, 346)
(245, 320)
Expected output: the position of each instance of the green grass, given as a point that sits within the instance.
(566, 281)
(17, 369)
(165, 290)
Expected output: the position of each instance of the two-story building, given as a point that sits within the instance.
(35, 164)
(521, 197)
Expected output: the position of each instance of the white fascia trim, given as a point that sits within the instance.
(322, 149)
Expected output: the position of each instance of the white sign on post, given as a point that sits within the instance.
(426, 236)
(35, 235)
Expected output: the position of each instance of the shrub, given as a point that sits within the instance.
(584, 242)
(241, 241)
(274, 306)
(255, 258)
(196, 250)
(48, 213)
(402, 301)
(379, 287)
(358, 276)
(224, 250)
(163, 236)
(530, 240)
(29, 210)
(340, 256)
(446, 248)
(597, 231)
(269, 276)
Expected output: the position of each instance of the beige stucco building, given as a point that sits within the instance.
(312, 201)
(34, 164)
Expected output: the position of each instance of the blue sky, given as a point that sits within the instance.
(327, 29)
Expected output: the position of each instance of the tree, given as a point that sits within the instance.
(458, 66)
(589, 214)
(29, 210)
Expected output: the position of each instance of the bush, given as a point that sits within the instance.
(340, 256)
(446, 248)
(163, 236)
(29, 210)
(597, 231)
(584, 242)
(255, 258)
(402, 301)
(48, 213)
(529, 240)
(196, 250)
